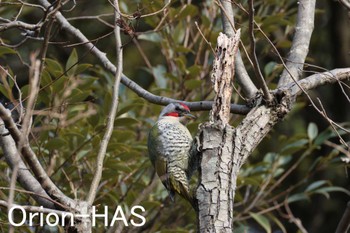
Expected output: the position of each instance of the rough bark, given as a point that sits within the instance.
(224, 149)
(214, 194)
(300, 44)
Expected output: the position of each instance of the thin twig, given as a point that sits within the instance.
(112, 113)
(255, 61)
(141, 92)
(333, 124)
(293, 219)
(27, 119)
(344, 224)
(36, 209)
(345, 3)
(146, 15)
(337, 147)
(242, 76)
(200, 31)
(32, 160)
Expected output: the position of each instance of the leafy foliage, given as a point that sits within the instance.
(292, 175)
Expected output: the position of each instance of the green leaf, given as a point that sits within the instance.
(268, 69)
(262, 220)
(79, 95)
(312, 131)
(189, 10)
(322, 137)
(159, 72)
(278, 223)
(82, 67)
(182, 49)
(53, 67)
(6, 50)
(88, 82)
(192, 84)
(283, 160)
(297, 197)
(71, 65)
(179, 33)
(315, 185)
(45, 79)
(59, 84)
(118, 166)
(295, 146)
(129, 107)
(4, 91)
(152, 37)
(270, 157)
(327, 190)
(56, 143)
(194, 71)
(125, 121)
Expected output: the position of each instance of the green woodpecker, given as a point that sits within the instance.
(169, 147)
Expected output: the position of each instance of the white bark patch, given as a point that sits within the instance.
(222, 77)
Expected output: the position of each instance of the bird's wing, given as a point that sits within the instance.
(158, 160)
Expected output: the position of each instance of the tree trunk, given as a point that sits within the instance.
(224, 148)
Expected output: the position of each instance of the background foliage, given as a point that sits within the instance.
(295, 169)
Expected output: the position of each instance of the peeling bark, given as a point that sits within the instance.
(214, 193)
(224, 149)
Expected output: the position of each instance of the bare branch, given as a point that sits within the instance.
(314, 81)
(344, 224)
(112, 113)
(195, 106)
(242, 77)
(206, 41)
(33, 161)
(338, 148)
(301, 42)
(317, 80)
(138, 15)
(35, 208)
(345, 3)
(255, 61)
(293, 219)
(18, 24)
(25, 178)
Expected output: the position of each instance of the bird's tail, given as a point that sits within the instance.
(181, 187)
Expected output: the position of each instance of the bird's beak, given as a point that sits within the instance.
(190, 116)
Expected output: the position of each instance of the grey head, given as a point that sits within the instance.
(176, 109)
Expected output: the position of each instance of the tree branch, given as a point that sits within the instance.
(344, 224)
(301, 42)
(214, 192)
(25, 178)
(317, 80)
(33, 161)
(345, 3)
(18, 24)
(112, 113)
(195, 106)
(36, 209)
(242, 77)
(255, 61)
